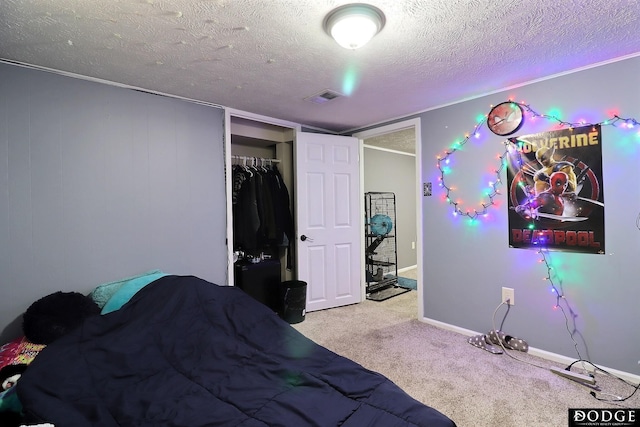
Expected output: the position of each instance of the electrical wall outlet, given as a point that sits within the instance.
(508, 294)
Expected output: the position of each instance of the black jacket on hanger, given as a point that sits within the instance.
(261, 209)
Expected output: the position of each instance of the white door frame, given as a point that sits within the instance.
(228, 114)
(382, 130)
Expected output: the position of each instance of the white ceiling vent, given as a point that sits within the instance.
(323, 97)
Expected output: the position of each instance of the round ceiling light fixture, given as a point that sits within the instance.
(353, 25)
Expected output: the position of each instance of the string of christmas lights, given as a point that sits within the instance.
(570, 321)
(513, 146)
(629, 123)
(443, 161)
(493, 191)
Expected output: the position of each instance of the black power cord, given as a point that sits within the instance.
(603, 399)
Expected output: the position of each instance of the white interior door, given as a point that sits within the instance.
(328, 219)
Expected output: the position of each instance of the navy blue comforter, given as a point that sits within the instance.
(186, 352)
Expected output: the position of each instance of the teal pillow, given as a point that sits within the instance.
(124, 289)
(102, 293)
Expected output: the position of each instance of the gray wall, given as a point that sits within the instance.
(466, 265)
(386, 171)
(99, 183)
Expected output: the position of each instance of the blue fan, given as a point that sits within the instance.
(380, 225)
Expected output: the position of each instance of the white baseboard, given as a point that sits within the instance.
(543, 354)
(411, 267)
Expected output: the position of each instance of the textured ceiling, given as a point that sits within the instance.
(402, 140)
(266, 56)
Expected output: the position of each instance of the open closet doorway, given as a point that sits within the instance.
(257, 144)
(321, 173)
(391, 163)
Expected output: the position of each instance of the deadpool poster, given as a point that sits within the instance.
(556, 198)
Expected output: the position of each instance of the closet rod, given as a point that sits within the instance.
(255, 158)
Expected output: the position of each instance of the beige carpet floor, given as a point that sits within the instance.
(441, 369)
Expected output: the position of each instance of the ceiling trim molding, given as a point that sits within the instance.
(263, 119)
(105, 82)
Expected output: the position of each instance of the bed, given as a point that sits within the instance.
(186, 352)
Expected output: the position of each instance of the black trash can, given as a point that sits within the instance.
(294, 300)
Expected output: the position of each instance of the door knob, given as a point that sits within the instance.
(303, 238)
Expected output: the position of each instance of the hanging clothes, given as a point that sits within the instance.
(262, 216)
(246, 219)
